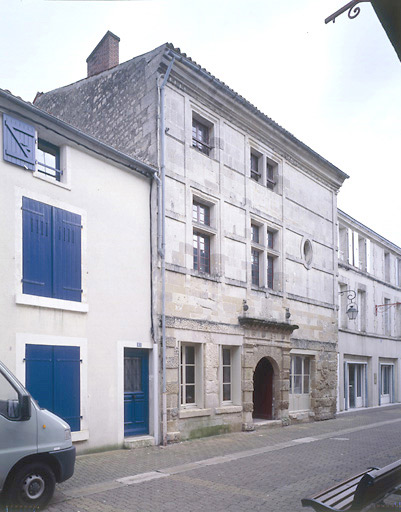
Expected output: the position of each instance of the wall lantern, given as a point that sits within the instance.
(352, 309)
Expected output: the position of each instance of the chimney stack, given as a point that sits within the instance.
(105, 55)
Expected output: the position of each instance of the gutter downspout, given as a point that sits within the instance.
(162, 249)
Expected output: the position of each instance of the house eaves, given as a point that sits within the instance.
(30, 112)
(389, 14)
(350, 221)
(171, 52)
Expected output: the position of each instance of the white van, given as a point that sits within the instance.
(35, 447)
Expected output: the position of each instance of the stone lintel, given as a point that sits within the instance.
(269, 325)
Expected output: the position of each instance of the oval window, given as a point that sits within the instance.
(308, 252)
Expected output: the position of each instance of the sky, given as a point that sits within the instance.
(336, 87)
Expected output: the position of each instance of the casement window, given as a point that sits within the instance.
(22, 147)
(387, 266)
(48, 159)
(53, 379)
(361, 303)
(270, 175)
(201, 135)
(270, 271)
(255, 263)
(51, 251)
(263, 169)
(398, 272)
(227, 374)
(387, 317)
(300, 375)
(264, 256)
(255, 172)
(203, 235)
(191, 375)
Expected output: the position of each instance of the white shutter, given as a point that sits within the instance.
(368, 257)
(356, 250)
(350, 247)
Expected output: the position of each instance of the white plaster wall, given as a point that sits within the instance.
(114, 205)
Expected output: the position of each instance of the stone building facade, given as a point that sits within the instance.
(250, 243)
(369, 346)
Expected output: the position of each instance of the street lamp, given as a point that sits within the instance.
(352, 308)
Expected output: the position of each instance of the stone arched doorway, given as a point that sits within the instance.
(263, 391)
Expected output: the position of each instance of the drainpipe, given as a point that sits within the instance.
(162, 249)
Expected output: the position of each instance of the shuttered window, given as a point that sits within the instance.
(18, 142)
(53, 379)
(51, 251)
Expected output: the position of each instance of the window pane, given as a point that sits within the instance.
(255, 233)
(226, 392)
(132, 374)
(189, 355)
(190, 374)
(270, 239)
(227, 374)
(190, 394)
(255, 266)
(306, 366)
(306, 384)
(270, 272)
(226, 356)
(297, 384)
(298, 365)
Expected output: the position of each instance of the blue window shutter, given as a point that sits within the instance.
(67, 388)
(37, 248)
(39, 374)
(18, 142)
(67, 255)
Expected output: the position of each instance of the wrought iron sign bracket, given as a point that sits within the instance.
(386, 306)
(352, 9)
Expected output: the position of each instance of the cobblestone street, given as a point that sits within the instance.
(266, 470)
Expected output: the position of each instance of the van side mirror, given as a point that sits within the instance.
(25, 405)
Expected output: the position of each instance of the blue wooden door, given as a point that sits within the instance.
(136, 392)
(53, 379)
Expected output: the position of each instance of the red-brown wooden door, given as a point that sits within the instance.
(263, 390)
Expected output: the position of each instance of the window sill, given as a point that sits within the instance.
(52, 181)
(228, 409)
(81, 435)
(46, 302)
(193, 413)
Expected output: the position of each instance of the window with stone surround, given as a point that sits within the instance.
(300, 374)
(230, 375)
(227, 374)
(263, 169)
(203, 235)
(202, 133)
(190, 375)
(264, 255)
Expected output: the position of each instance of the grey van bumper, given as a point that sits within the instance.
(66, 462)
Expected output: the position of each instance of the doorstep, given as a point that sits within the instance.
(258, 423)
(133, 442)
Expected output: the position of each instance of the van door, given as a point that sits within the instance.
(18, 438)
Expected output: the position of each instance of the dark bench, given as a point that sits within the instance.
(359, 491)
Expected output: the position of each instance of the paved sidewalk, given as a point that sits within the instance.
(229, 472)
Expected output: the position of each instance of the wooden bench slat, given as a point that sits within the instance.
(343, 499)
(340, 487)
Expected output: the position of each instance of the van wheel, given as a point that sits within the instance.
(31, 485)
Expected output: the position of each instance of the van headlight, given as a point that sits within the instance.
(67, 432)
